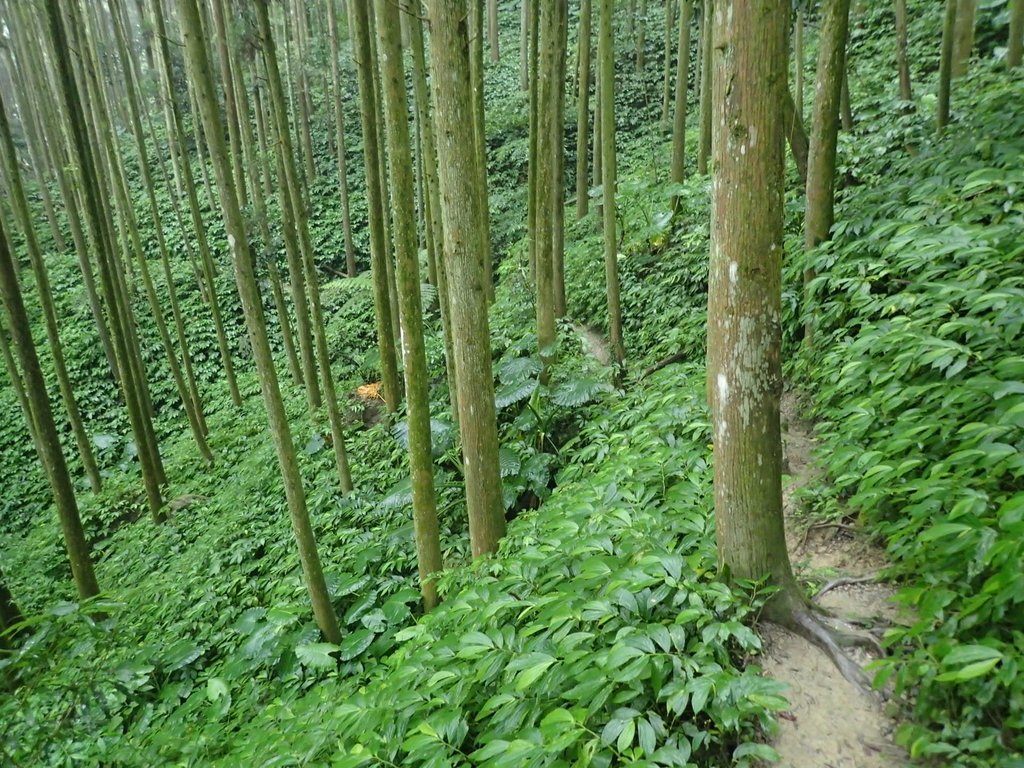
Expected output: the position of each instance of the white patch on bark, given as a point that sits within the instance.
(734, 272)
(723, 389)
(231, 241)
(753, 136)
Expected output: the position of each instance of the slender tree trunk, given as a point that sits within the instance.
(339, 137)
(946, 64)
(18, 385)
(199, 72)
(605, 54)
(845, 112)
(744, 296)
(182, 165)
(42, 417)
(963, 35)
(704, 149)
(10, 615)
(435, 233)
(796, 136)
(583, 113)
(558, 163)
(525, 10)
(492, 29)
(417, 389)
(463, 213)
(534, 158)
(597, 144)
(640, 31)
(295, 225)
(799, 59)
(305, 106)
(220, 30)
(359, 31)
(20, 204)
(902, 62)
(821, 160)
(1015, 43)
(476, 70)
(682, 81)
(121, 326)
(666, 85)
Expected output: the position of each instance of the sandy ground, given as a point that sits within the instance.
(830, 723)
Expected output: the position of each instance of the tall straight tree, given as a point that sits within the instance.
(200, 74)
(417, 376)
(704, 148)
(46, 429)
(821, 162)
(606, 94)
(476, 75)
(963, 35)
(121, 324)
(296, 229)
(583, 111)
(902, 60)
(798, 62)
(339, 135)
(492, 29)
(1015, 43)
(359, 31)
(463, 212)
(744, 370)
(682, 81)
(946, 64)
(16, 191)
(666, 74)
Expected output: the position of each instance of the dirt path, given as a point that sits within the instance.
(830, 724)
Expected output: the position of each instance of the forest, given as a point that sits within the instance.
(512, 383)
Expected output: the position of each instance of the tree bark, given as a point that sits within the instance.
(946, 64)
(666, 84)
(744, 296)
(199, 72)
(902, 62)
(682, 82)
(417, 389)
(339, 137)
(53, 459)
(583, 112)
(476, 72)
(963, 37)
(799, 59)
(359, 31)
(1015, 43)
(796, 136)
(463, 212)
(492, 30)
(704, 150)
(606, 57)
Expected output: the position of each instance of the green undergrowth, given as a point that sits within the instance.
(918, 384)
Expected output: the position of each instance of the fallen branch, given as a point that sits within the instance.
(819, 526)
(678, 357)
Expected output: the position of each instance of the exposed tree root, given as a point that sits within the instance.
(819, 526)
(807, 625)
(844, 581)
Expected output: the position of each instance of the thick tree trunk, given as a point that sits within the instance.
(463, 212)
(744, 296)
(946, 64)
(583, 112)
(606, 57)
(417, 384)
(902, 62)
(53, 459)
(682, 82)
(359, 31)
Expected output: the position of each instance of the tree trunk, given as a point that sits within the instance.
(799, 59)
(463, 212)
(53, 459)
(666, 84)
(704, 150)
(682, 82)
(220, 30)
(9, 614)
(606, 58)
(963, 35)
(744, 296)
(417, 389)
(339, 137)
(121, 324)
(583, 113)
(796, 136)
(946, 64)
(524, 44)
(902, 62)
(492, 30)
(20, 204)
(476, 72)
(18, 385)
(558, 163)
(435, 234)
(359, 31)
(640, 31)
(1015, 43)
(199, 72)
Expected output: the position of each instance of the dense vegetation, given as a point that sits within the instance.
(600, 633)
